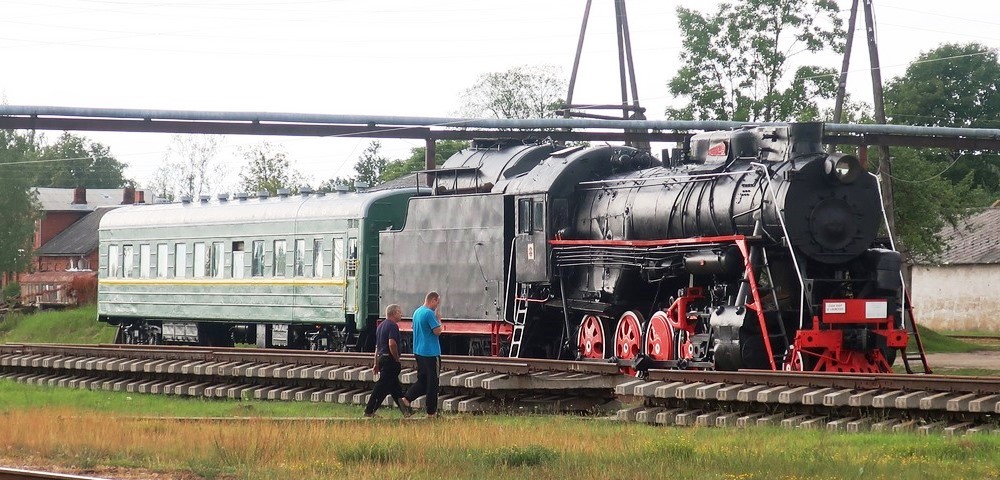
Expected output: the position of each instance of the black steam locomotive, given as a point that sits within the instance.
(751, 248)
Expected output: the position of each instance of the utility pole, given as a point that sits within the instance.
(838, 109)
(626, 72)
(884, 163)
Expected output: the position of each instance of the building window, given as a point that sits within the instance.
(180, 260)
(317, 257)
(299, 258)
(257, 262)
(199, 260)
(145, 261)
(280, 259)
(114, 261)
(162, 260)
(338, 258)
(352, 257)
(238, 261)
(128, 260)
(216, 261)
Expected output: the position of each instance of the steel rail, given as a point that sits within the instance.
(19, 474)
(521, 366)
(904, 382)
(305, 357)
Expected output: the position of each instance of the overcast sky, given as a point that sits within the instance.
(392, 57)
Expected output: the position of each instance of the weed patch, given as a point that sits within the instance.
(521, 456)
(78, 325)
(377, 453)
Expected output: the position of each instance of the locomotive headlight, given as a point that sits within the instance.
(842, 167)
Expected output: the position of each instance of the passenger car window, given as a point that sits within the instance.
(216, 261)
(114, 261)
(162, 261)
(180, 260)
(257, 262)
(299, 258)
(238, 263)
(352, 257)
(128, 259)
(338, 258)
(279, 258)
(145, 260)
(317, 257)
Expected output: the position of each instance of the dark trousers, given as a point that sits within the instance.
(427, 382)
(387, 384)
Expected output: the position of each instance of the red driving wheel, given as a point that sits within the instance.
(590, 340)
(660, 341)
(628, 337)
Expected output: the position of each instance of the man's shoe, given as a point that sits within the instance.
(406, 410)
(369, 415)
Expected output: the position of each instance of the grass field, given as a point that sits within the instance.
(78, 325)
(935, 342)
(94, 431)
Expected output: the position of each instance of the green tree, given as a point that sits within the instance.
(370, 164)
(443, 150)
(17, 200)
(927, 201)
(953, 86)
(267, 168)
(368, 169)
(950, 86)
(520, 92)
(76, 161)
(736, 60)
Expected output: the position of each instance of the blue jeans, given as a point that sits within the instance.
(427, 382)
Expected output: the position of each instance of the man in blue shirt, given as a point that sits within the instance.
(387, 342)
(427, 351)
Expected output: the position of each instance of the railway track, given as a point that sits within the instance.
(18, 474)
(849, 402)
(953, 405)
(468, 384)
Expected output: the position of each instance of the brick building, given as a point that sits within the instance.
(63, 271)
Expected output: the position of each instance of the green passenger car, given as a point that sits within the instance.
(298, 271)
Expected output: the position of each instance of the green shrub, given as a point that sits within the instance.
(10, 292)
(522, 456)
(379, 453)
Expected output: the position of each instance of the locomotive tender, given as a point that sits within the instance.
(753, 249)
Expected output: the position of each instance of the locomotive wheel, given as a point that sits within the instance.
(660, 343)
(793, 360)
(590, 339)
(628, 338)
(797, 361)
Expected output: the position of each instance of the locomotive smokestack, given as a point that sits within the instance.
(806, 137)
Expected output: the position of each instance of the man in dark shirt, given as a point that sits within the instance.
(387, 341)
